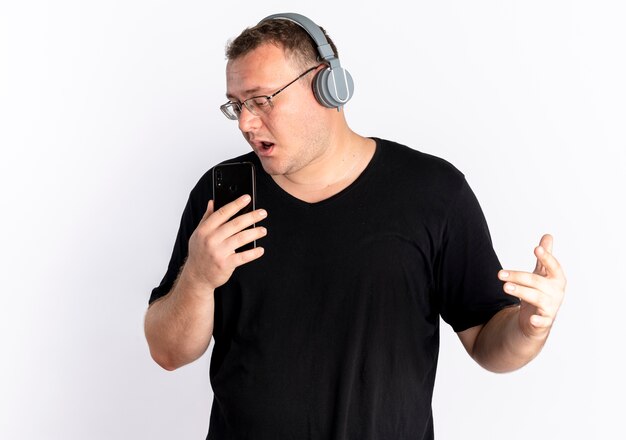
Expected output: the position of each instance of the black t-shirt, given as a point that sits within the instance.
(334, 332)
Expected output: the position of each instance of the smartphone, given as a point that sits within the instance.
(231, 181)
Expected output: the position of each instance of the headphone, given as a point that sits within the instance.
(332, 86)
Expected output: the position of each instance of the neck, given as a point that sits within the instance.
(343, 160)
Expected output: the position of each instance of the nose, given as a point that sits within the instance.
(247, 121)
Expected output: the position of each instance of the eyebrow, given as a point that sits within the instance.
(255, 91)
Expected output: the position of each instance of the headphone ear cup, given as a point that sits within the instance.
(333, 88)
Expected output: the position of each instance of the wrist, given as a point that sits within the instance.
(190, 281)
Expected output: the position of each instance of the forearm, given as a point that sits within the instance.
(501, 346)
(179, 326)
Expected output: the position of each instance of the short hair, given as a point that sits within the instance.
(295, 41)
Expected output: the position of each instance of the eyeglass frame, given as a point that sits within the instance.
(236, 107)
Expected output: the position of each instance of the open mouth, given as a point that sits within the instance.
(266, 146)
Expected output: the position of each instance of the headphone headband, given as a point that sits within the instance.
(323, 47)
(333, 86)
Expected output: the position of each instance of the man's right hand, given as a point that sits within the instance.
(212, 257)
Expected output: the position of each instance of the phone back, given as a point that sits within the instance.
(231, 181)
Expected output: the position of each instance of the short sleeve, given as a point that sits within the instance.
(179, 254)
(192, 214)
(468, 287)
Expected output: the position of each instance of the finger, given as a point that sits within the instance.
(539, 269)
(208, 212)
(549, 263)
(546, 243)
(244, 237)
(541, 322)
(225, 213)
(241, 258)
(240, 223)
(526, 279)
(529, 295)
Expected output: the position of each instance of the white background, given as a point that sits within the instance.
(109, 115)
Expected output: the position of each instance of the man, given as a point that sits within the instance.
(329, 329)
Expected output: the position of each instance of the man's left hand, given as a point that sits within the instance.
(541, 292)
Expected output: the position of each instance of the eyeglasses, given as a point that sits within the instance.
(257, 105)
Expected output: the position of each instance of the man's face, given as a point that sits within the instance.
(295, 132)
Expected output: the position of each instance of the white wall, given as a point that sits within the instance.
(109, 114)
